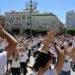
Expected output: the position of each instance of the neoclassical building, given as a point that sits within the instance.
(2, 20)
(24, 20)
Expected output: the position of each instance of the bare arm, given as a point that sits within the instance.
(72, 54)
(60, 60)
(50, 38)
(12, 41)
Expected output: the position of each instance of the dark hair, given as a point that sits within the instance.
(62, 47)
(41, 60)
(70, 44)
(36, 53)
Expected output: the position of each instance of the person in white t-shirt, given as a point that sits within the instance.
(23, 60)
(15, 67)
(66, 70)
(8, 50)
(1, 48)
(43, 59)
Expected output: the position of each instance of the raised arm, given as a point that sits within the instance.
(60, 60)
(12, 41)
(50, 38)
(72, 54)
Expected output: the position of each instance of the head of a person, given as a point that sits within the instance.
(70, 44)
(66, 53)
(43, 60)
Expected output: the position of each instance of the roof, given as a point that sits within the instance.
(45, 14)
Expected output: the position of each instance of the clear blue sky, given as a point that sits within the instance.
(58, 7)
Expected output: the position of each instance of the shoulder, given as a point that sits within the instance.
(51, 72)
(3, 58)
(3, 54)
(48, 72)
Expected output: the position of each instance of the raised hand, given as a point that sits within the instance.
(50, 35)
(72, 53)
(50, 39)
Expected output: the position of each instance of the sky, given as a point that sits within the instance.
(58, 7)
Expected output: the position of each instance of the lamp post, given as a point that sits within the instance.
(31, 5)
(45, 26)
(30, 18)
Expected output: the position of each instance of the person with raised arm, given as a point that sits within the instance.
(8, 50)
(72, 55)
(43, 58)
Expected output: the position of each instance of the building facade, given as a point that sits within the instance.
(21, 20)
(70, 19)
(2, 20)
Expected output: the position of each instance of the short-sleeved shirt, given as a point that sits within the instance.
(67, 64)
(48, 72)
(15, 63)
(3, 61)
(23, 57)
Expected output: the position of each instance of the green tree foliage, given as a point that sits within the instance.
(71, 31)
(36, 32)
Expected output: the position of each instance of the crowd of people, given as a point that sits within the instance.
(48, 54)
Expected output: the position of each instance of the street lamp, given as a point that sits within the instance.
(45, 26)
(30, 18)
(31, 5)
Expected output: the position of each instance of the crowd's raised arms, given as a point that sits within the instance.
(8, 51)
(39, 55)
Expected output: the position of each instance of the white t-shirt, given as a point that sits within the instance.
(15, 63)
(67, 64)
(48, 72)
(23, 57)
(29, 45)
(3, 61)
